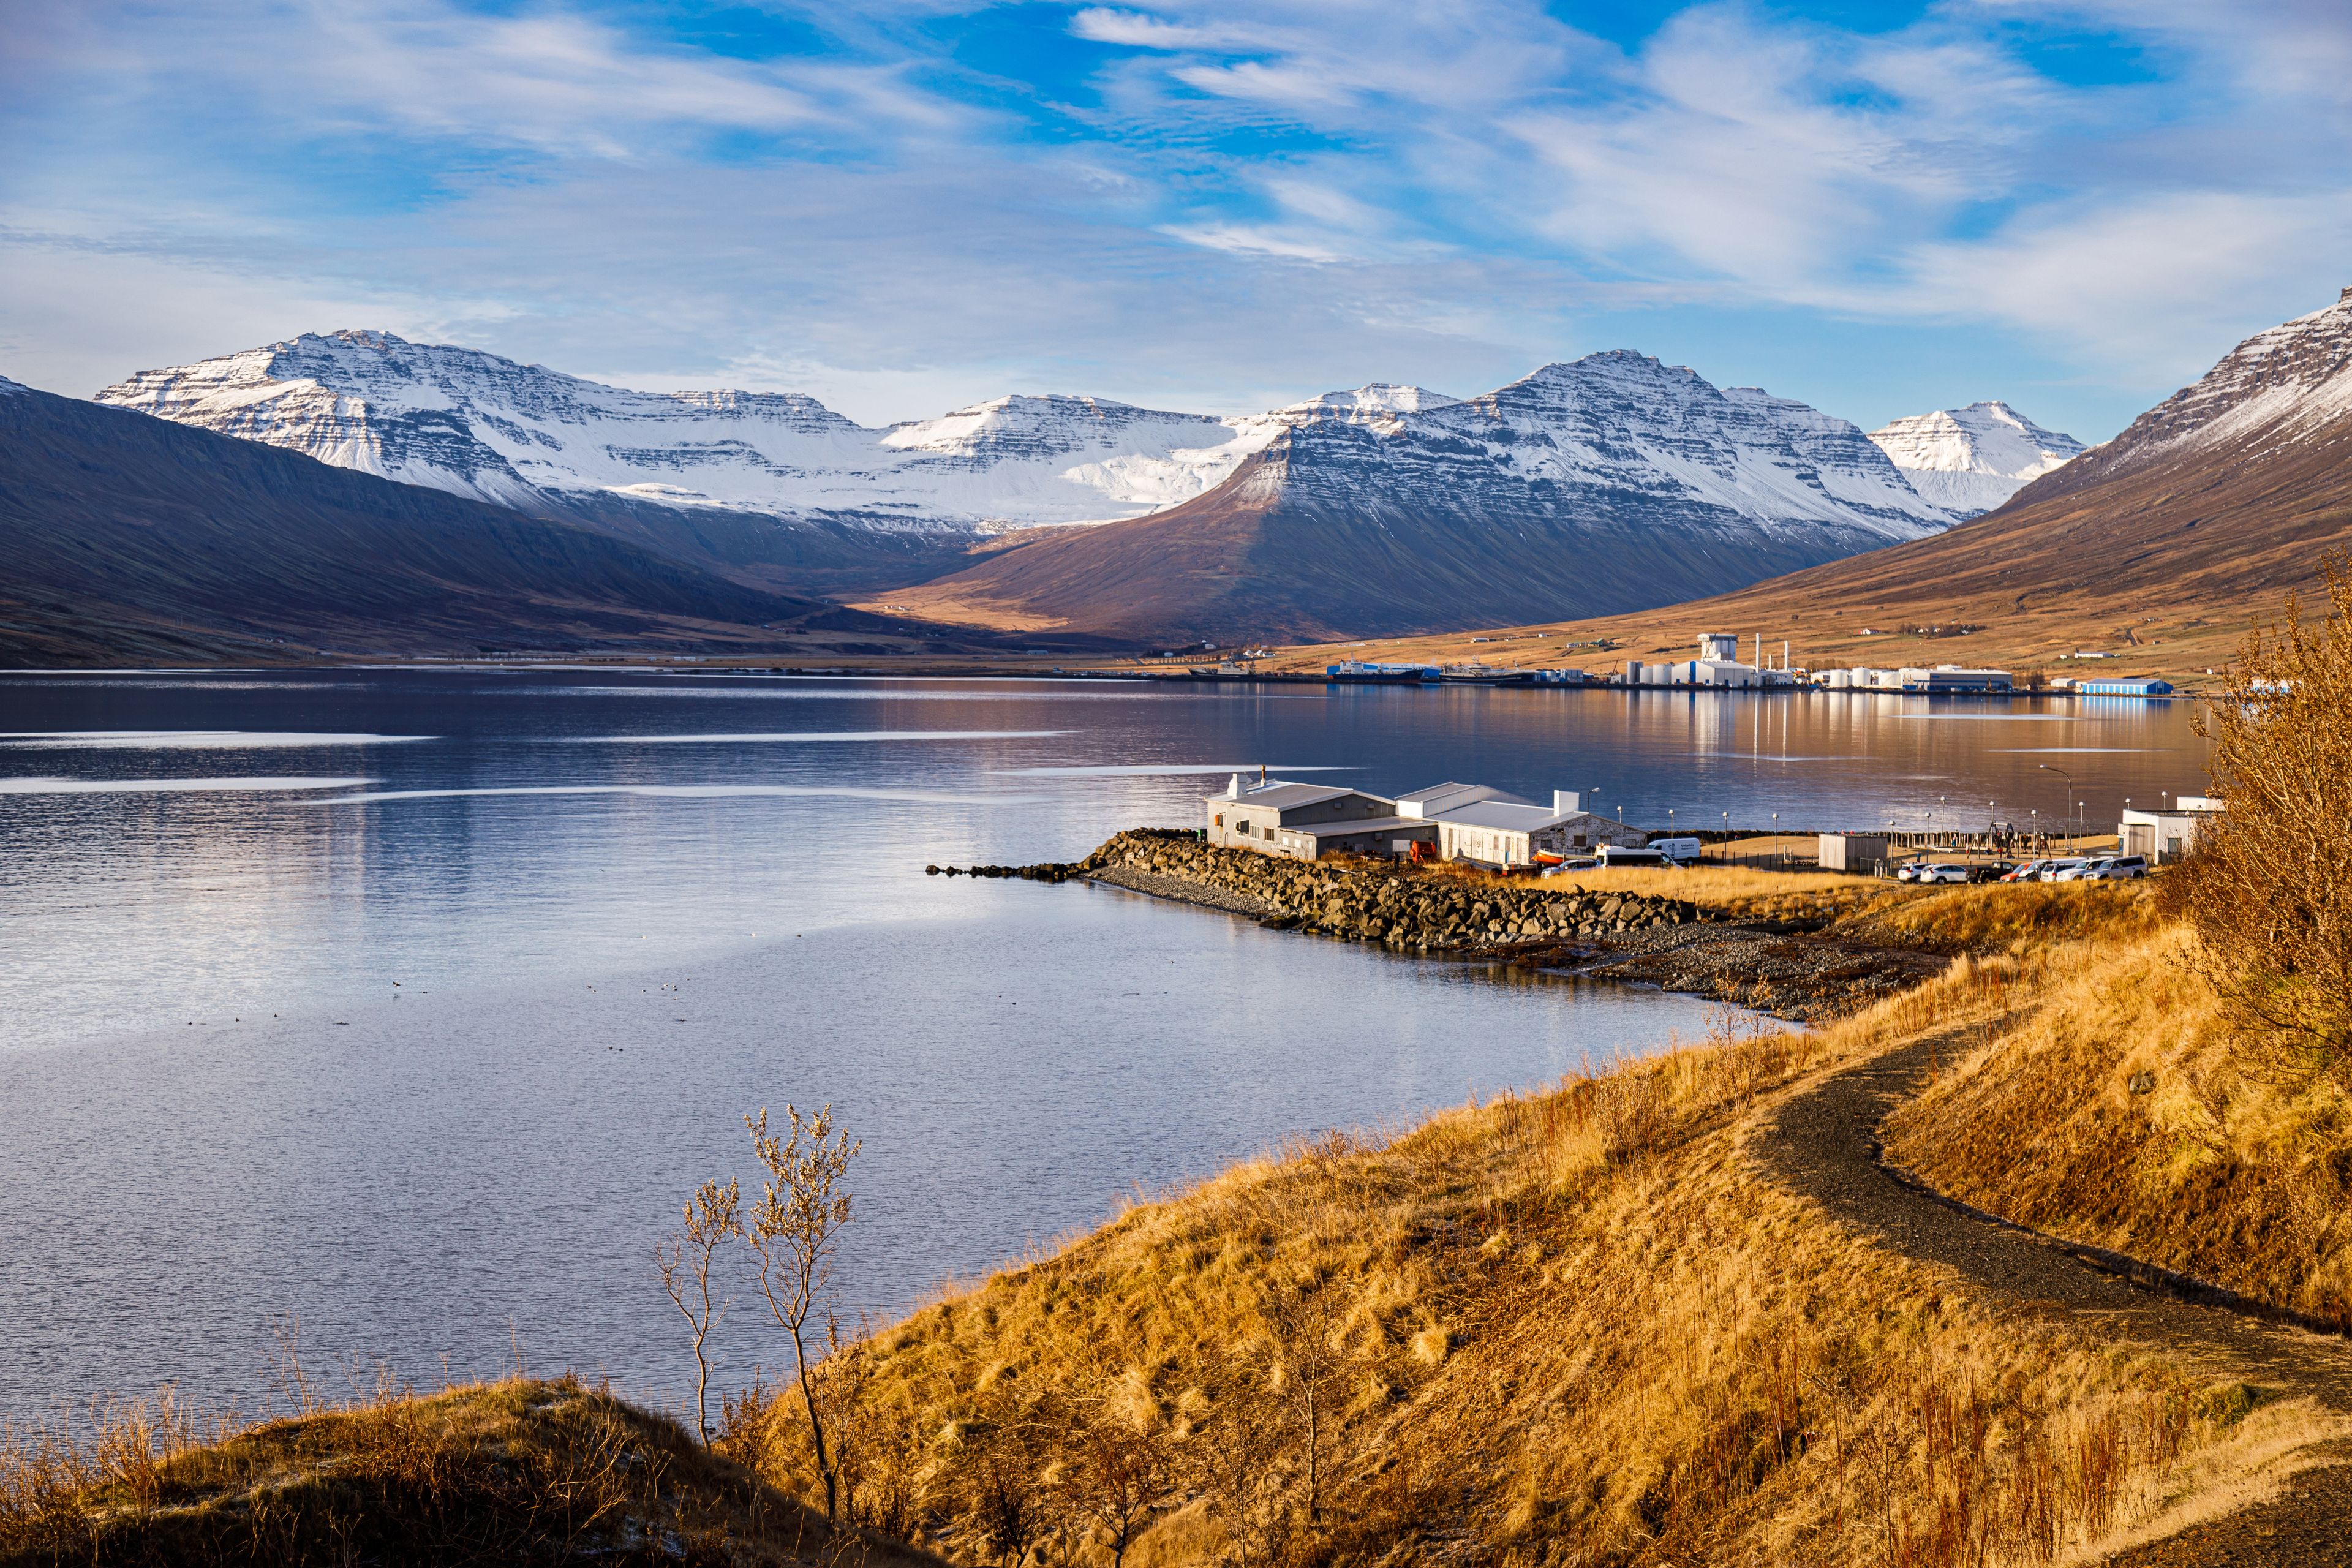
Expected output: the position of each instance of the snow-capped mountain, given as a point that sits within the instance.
(1618, 432)
(1614, 482)
(475, 424)
(2286, 387)
(1970, 460)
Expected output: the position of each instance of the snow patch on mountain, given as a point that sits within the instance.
(1970, 460)
(1622, 423)
(2285, 384)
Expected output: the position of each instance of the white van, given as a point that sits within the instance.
(1610, 855)
(1676, 851)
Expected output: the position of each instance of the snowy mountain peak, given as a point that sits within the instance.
(11, 388)
(1636, 437)
(1970, 460)
(1366, 405)
(478, 425)
(2291, 380)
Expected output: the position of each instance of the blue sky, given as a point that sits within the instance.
(904, 207)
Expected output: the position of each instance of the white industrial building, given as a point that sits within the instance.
(2165, 837)
(1305, 822)
(1718, 666)
(1487, 827)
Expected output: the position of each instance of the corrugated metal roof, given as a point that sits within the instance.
(1364, 825)
(1281, 795)
(1506, 816)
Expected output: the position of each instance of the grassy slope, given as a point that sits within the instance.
(1574, 1327)
(516, 1472)
(2112, 1114)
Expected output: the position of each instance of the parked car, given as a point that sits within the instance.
(1909, 871)
(1679, 851)
(1942, 872)
(1618, 855)
(2115, 868)
(2069, 870)
(2029, 872)
(1573, 863)
(1992, 871)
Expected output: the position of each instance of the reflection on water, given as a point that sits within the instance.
(438, 1033)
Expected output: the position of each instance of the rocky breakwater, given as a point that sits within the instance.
(1805, 971)
(1395, 908)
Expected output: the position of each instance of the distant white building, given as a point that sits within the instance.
(1942, 679)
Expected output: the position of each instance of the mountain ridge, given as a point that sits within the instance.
(136, 539)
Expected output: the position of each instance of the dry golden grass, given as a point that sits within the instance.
(517, 1471)
(1569, 1328)
(2011, 918)
(2115, 1110)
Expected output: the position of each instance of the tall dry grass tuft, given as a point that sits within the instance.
(2266, 885)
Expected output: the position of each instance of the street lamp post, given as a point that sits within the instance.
(2063, 773)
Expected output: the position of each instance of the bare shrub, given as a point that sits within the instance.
(1003, 1496)
(1118, 1465)
(2266, 885)
(1239, 1448)
(713, 1215)
(793, 1231)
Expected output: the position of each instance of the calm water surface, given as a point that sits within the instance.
(414, 1001)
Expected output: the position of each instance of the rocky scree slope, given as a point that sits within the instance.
(1970, 460)
(1612, 483)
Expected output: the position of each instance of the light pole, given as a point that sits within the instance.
(2063, 773)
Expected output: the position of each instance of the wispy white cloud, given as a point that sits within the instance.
(1216, 205)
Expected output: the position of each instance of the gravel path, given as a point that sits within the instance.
(1824, 1144)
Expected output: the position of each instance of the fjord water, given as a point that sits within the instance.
(412, 1003)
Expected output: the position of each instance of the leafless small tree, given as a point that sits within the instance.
(1120, 1466)
(1239, 1448)
(1004, 1501)
(795, 1229)
(712, 1214)
(1305, 1324)
(2265, 883)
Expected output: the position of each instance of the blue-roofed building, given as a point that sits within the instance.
(2148, 688)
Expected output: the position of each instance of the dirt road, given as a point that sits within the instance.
(1823, 1143)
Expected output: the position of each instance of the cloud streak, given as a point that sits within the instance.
(1178, 202)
